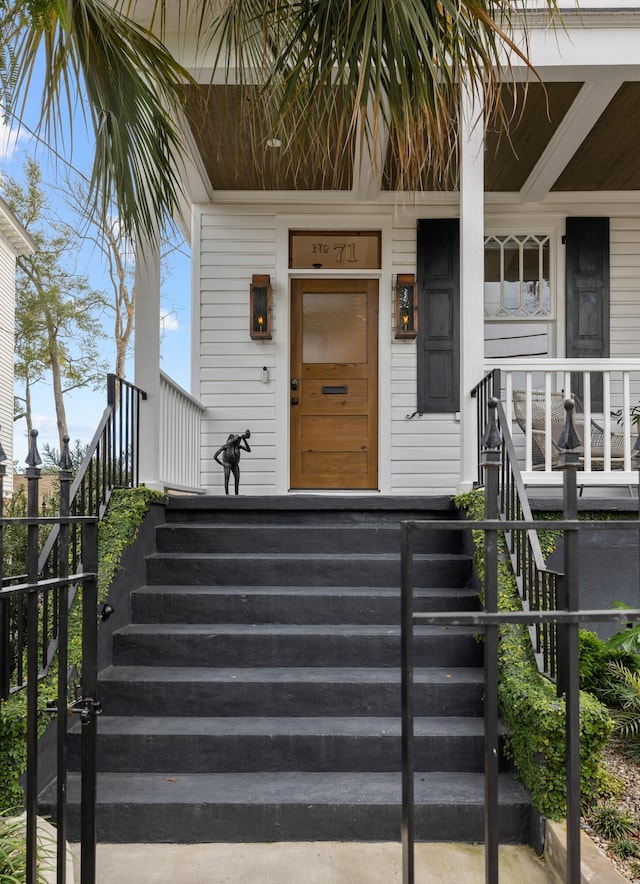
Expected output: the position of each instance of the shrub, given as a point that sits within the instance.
(611, 821)
(532, 712)
(595, 657)
(13, 856)
(624, 848)
(118, 530)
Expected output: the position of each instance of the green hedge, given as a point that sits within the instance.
(118, 530)
(533, 714)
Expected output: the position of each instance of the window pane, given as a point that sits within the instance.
(334, 327)
(518, 287)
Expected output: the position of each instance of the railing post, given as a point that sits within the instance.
(491, 461)
(33, 476)
(65, 476)
(90, 704)
(568, 664)
(4, 603)
(406, 673)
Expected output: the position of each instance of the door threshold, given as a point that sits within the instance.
(336, 492)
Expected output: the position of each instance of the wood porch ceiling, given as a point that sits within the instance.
(237, 157)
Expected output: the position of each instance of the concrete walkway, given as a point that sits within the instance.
(311, 863)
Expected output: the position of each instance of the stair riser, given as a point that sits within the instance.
(274, 698)
(303, 571)
(239, 607)
(171, 823)
(237, 512)
(273, 649)
(295, 539)
(250, 754)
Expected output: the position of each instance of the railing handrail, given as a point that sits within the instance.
(521, 491)
(544, 649)
(164, 378)
(86, 461)
(542, 363)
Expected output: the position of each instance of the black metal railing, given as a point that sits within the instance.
(538, 585)
(35, 607)
(39, 603)
(565, 619)
(111, 461)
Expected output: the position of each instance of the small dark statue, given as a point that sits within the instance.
(228, 456)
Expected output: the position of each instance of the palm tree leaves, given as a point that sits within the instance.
(330, 75)
(400, 63)
(133, 90)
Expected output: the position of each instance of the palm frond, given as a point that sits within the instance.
(401, 64)
(132, 86)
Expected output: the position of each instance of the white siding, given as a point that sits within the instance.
(7, 301)
(234, 246)
(425, 451)
(625, 292)
(418, 456)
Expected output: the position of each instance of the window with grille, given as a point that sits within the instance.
(518, 297)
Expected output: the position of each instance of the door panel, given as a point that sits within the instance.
(334, 373)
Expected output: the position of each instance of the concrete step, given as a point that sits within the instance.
(185, 644)
(280, 569)
(170, 806)
(249, 744)
(297, 509)
(288, 604)
(299, 691)
(300, 538)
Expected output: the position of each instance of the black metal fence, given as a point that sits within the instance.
(558, 621)
(35, 606)
(539, 587)
(30, 613)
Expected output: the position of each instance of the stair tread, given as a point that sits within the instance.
(375, 503)
(282, 725)
(305, 556)
(320, 674)
(286, 787)
(244, 629)
(359, 591)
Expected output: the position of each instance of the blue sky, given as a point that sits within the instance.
(85, 407)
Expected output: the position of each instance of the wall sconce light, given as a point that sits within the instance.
(406, 306)
(260, 307)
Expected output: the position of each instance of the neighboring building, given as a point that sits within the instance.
(14, 241)
(530, 261)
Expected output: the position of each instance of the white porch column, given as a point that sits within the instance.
(471, 276)
(147, 359)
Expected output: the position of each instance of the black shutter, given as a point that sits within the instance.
(438, 278)
(587, 259)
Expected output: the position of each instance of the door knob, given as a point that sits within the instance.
(294, 400)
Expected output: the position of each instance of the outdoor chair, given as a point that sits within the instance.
(538, 430)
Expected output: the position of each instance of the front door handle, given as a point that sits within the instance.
(294, 400)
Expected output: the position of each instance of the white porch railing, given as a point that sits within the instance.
(607, 428)
(179, 454)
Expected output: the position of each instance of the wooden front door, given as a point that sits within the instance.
(334, 383)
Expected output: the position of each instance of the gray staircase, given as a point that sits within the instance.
(255, 694)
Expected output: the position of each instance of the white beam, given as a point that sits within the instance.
(471, 277)
(586, 110)
(147, 360)
(368, 161)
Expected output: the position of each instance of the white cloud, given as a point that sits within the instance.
(169, 321)
(10, 138)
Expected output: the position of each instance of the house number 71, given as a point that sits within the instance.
(350, 248)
